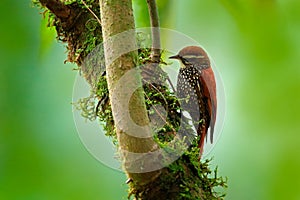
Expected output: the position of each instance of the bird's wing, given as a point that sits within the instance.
(208, 83)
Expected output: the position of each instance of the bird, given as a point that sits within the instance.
(196, 90)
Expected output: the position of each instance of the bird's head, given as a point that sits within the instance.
(193, 56)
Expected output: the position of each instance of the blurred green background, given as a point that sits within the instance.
(256, 47)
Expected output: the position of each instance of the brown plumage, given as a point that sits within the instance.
(196, 89)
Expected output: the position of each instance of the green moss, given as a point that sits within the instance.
(87, 107)
(185, 180)
(104, 110)
(203, 178)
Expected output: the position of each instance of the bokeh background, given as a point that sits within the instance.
(256, 47)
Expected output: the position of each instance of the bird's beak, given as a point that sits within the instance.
(174, 57)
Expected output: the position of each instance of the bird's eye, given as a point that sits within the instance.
(185, 61)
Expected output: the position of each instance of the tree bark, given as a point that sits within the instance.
(120, 84)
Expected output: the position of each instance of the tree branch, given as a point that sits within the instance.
(154, 20)
(57, 7)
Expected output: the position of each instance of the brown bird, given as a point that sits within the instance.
(196, 89)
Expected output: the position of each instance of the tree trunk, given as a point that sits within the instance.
(123, 79)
